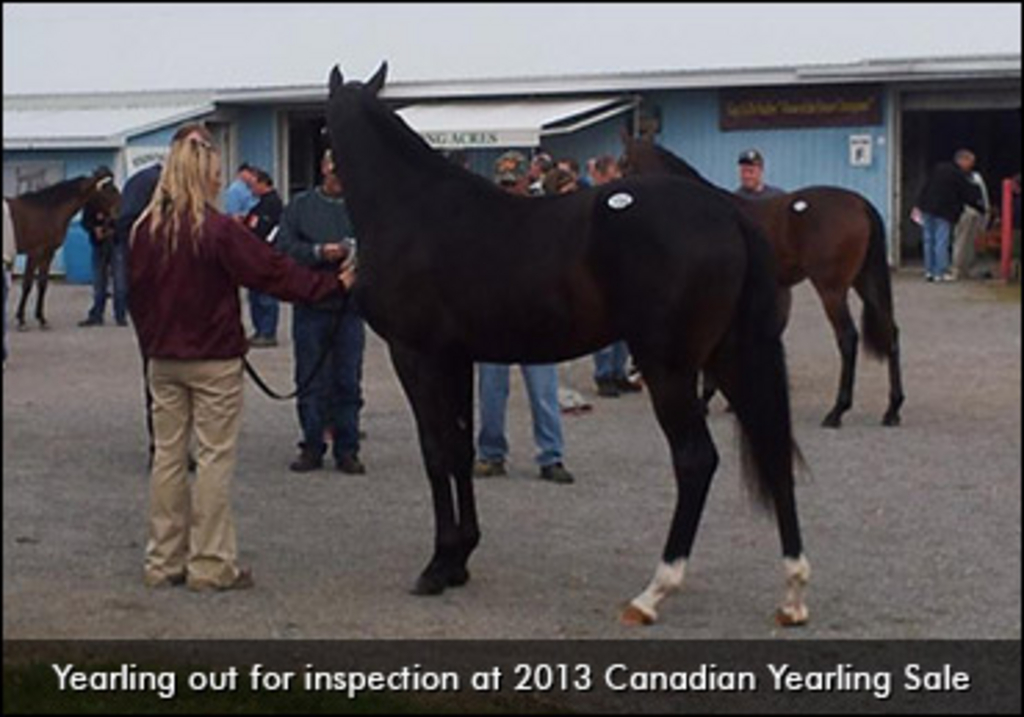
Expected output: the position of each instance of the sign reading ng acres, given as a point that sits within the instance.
(788, 107)
(462, 139)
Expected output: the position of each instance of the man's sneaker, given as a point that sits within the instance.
(945, 278)
(556, 473)
(262, 342)
(306, 462)
(489, 469)
(626, 386)
(608, 388)
(350, 464)
(91, 321)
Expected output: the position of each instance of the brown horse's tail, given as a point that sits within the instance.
(874, 286)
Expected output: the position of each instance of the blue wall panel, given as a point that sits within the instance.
(256, 137)
(794, 158)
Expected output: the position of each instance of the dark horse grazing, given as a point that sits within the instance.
(41, 221)
(454, 271)
(835, 238)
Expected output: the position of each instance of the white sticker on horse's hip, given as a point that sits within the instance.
(620, 201)
(800, 206)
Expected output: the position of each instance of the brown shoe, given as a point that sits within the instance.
(242, 581)
(350, 464)
(489, 469)
(167, 581)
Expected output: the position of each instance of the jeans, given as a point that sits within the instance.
(936, 245)
(610, 362)
(109, 261)
(264, 310)
(542, 387)
(335, 398)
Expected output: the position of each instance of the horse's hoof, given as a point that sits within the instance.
(791, 617)
(632, 616)
(832, 421)
(429, 584)
(22, 327)
(891, 420)
(44, 326)
(458, 578)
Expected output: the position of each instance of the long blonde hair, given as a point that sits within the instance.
(189, 182)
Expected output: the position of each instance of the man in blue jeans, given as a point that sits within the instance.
(316, 231)
(109, 264)
(541, 383)
(942, 200)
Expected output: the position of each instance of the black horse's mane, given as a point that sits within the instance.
(416, 149)
(55, 194)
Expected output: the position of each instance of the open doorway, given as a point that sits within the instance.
(306, 145)
(930, 137)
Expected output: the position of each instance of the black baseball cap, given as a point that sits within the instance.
(751, 156)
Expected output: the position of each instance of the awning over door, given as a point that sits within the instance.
(471, 125)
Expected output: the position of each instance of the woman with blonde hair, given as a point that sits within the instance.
(187, 261)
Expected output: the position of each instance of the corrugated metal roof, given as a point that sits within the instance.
(90, 128)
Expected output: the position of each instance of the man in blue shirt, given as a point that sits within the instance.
(239, 198)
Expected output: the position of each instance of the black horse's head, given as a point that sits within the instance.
(348, 106)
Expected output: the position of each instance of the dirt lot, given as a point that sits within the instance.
(913, 532)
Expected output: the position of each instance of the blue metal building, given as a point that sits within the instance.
(875, 127)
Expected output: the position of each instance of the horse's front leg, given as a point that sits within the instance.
(440, 391)
(26, 288)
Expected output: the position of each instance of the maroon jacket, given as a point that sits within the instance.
(185, 305)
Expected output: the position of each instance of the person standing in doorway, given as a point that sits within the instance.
(942, 200)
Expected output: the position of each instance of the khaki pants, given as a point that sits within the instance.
(191, 531)
(970, 225)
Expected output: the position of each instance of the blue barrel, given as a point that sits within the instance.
(77, 255)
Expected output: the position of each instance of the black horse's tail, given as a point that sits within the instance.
(874, 286)
(761, 400)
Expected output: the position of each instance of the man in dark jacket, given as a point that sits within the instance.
(948, 190)
(316, 231)
(108, 263)
(263, 220)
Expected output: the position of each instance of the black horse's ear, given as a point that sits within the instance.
(336, 80)
(376, 83)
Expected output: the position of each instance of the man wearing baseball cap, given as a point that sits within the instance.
(752, 185)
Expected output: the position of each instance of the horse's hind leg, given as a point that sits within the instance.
(26, 288)
(44, 280)
(892, 413)
(694, 460)
(838, 312)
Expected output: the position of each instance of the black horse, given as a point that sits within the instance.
(454, 271)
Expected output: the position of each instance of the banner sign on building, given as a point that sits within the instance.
(790, 107)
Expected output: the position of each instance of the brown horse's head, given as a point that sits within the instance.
(103, 193)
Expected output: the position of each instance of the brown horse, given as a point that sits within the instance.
(41, 221)
(835, 238)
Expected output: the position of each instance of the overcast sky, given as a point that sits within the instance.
(85, 47)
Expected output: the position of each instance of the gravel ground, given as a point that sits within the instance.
(913, 532)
